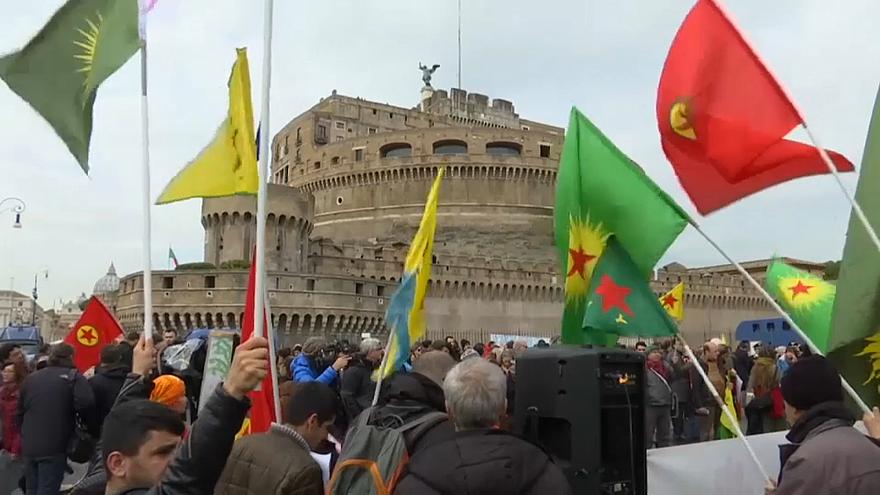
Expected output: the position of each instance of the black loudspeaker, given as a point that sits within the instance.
(586, 408)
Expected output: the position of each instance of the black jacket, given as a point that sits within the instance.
(407, 397)
(483, 462)
(105, 385)
(49, 398)
(357, 386)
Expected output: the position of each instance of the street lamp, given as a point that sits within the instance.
(17, 207)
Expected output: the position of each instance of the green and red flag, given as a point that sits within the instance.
(854, 343)
(621, 302)
(601, 192)
(58, 72)
(807, 298)
(172, 258)
(723, 117)
(96, 328)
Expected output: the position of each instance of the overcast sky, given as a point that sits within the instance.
(605, 57)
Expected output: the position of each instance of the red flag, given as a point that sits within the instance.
(95, 329)
(723, 117)
(262, 400)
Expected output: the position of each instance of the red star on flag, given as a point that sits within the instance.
(579, 260)
(613, 295)
(800, 288)
(669, 301)
(88, 335)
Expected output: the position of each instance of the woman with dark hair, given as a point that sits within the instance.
(13, 374)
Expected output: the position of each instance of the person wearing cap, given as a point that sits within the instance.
(170, 391)
(827, 454)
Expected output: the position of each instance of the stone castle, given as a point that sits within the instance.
(350, 177)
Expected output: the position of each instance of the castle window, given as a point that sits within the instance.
(334, 160)
(317, 165)
(358, 288)
(394, 150)
(371, 130)
(374, 111)
(210, 282)
(340, 138)
(359, 155)
(310, 284)
(340, 125)
(503, 149)
(167, 282)
(526, 128)
(450, 147)
(321, 134)
(545, 151)
(380, 290)
(299, 138)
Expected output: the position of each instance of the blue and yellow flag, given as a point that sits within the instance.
(406, 311)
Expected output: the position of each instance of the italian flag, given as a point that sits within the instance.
(172, 258)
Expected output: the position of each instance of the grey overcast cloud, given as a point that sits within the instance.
(605, 57)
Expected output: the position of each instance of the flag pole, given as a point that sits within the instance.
(262, 166)
(726, 410)
(273, 361)
(794, 326)
(857, 209)
(382, 369)
(147, 201)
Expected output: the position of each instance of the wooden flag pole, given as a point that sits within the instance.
(794, 326)
(726, 410)
(263, 167)
(857, 209)
(146, 200)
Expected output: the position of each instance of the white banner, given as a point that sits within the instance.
(217, 362)
(502, 339)
(721, 467)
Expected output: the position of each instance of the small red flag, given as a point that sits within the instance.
(262, 400)
(95, 329)
(723, 117)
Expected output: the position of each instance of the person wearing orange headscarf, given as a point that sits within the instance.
(170, 391)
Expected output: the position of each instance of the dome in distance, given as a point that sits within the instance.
(108, 283)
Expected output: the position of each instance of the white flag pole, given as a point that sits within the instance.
(726, 410)
(794, 326)
(857, 209)
(263, 167)
(147, 200)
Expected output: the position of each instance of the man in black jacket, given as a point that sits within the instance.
(108, 379)
(357, 385)
(50, 398)
(410, 396)
(480, 458)
(149, 459)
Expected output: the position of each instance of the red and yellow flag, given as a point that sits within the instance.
(96, 328)
(673, 302)
(723, 116)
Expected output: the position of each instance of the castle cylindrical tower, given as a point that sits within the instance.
(230, 228)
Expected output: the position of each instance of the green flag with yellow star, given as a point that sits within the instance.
(807, 298)
(601, 192)
(621, 302)
(58, 72)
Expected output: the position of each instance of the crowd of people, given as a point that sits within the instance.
(144, 429)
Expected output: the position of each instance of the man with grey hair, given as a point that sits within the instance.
(357, 385)
(480, 458)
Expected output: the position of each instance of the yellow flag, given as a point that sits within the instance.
(673, 302)
(228, 165)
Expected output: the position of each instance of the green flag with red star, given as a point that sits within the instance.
(601, 192)
(621, 303)
(807, 298)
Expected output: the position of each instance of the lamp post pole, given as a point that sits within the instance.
(18, 207)
(34, 306)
